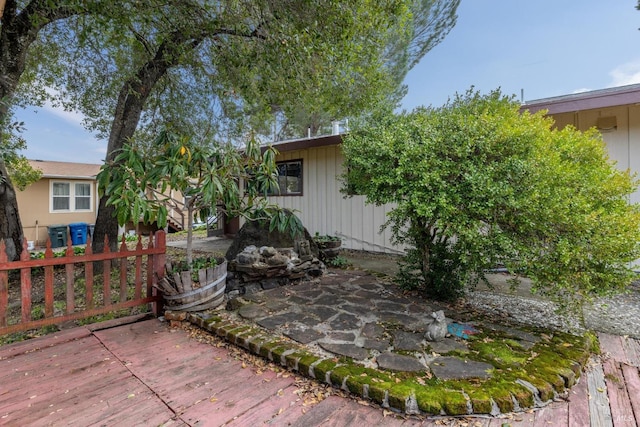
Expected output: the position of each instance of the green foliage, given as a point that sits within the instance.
(140, 180)
(20, 171)
(479, 184)
(338, 262)
(325, 238)
(196, 265)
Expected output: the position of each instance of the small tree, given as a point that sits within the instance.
(478, 184)
(139, 180)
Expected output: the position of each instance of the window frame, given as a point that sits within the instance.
(286, 193)
(72, 196)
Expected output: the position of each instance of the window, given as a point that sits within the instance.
(70, 197)
(289, 179)
(83, 197)
(60, 196)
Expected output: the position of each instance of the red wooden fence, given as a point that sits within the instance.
(155, 257)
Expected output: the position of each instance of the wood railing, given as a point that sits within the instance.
(128, 294)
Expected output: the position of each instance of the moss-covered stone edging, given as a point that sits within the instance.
(522, 378)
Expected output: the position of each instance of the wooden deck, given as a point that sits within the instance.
(147, 374)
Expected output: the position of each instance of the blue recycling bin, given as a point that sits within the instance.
(78, 233)
(58, 235)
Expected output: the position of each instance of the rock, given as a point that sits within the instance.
(255, 234)
(268, 251)
(277, 259)
(247, 258)
(399, 362)
(454, 368)
(348, 350)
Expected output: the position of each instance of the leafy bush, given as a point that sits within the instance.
(477, 184)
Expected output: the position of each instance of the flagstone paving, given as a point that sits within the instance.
(359, 332)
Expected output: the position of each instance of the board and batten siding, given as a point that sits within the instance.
(323, 209)
(623, 142)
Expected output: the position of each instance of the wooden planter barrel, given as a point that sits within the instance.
(210, 294)
(329, 249)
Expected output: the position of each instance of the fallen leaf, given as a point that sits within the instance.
(132, 395)
(213, 399)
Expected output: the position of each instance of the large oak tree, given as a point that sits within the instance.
(209, 66)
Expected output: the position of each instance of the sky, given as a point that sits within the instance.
(539, 48)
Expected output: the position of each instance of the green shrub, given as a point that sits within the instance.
(478, 184)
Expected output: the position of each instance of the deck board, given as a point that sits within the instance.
(632, 351)
(612, 344)
(618, 395)
(147, 374)
(556, 414)
(632, 381)
(578, 406)
(599, 410)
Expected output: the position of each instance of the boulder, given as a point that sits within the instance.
(257, 234)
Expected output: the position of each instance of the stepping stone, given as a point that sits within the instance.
(330, 300)
(348, 350)
(372, 330)
(304, 336)
(454, 368)
(376, 344)
(447, 345)
(342, 336)
(345, 321)
(391, 306)
(252, 311)
(276, 305)
(407, 341)
(399, 362)
(321, 312)
(399, 318)
(278, 320)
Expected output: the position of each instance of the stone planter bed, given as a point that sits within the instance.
(354, 332)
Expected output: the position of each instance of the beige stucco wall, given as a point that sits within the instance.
(323, 209)
(623, 142)
(36, 215)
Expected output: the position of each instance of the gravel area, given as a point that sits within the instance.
(618, 315)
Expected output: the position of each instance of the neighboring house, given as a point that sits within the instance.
(614, 111)
(309, 176)
(310, 168)
(66, 193)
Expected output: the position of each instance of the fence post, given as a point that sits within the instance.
(159, 261)
(4, 286)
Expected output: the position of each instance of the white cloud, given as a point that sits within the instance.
(625, 74)
(583, 89)
(72, 117)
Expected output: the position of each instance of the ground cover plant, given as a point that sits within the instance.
(478, 184)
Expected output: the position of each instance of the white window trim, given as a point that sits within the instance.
(72, 196)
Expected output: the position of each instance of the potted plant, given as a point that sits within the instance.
(141, 180)
(329, 246)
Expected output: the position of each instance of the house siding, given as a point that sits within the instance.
(623, 143)
(324, 210)
(35, 215)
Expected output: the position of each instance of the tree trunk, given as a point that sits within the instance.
(131, 100)
(10, 225)
(17, 32)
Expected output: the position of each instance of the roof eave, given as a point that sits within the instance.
(612, 97)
